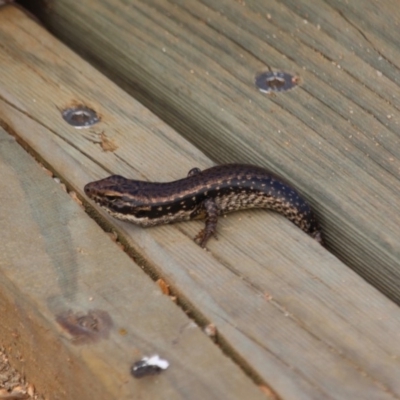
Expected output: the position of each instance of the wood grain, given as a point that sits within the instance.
(54, 258)
(335, 137)
(284, 308)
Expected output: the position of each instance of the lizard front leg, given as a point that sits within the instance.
(211, 210)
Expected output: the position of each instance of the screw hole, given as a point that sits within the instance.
(268, 82)
(80, 116)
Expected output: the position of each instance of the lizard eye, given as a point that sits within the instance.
(112, 198)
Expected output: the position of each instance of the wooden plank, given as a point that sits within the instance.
(285, 309)
(54, 258)
(366, 27)
(335, 137)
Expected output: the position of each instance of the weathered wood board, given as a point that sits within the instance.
(335, 137)
(54, 258)
(285, 309)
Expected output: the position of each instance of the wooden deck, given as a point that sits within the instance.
(293, 319)
(336, 137)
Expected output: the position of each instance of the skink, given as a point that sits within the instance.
(202, 194)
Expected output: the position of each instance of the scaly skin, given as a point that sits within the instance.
(202, 194)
